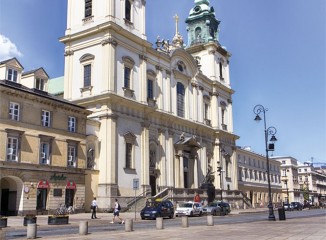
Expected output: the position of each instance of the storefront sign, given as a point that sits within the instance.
(43, 184)
(71, 185)
(56, 177)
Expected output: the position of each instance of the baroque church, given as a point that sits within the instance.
(161, 116)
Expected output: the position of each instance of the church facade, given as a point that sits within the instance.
(161, 118)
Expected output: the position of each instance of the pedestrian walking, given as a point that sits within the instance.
(116, 212)
(93, 208)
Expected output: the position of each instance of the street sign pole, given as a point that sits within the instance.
(135, 186)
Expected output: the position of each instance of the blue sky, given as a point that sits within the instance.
(278, 60)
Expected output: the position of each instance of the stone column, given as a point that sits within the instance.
(108, 159)
(145, 154)
(162, 154)
(109, 62)
(170, 161)
(159, 77)
(196, 171)
(194, 101)
(68, 71)
(200, 113)
(215, 109)
(181, 172)
(143, 78)
(168, 96)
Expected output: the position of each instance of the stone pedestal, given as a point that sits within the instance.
(83, 227)
(31, 230)
(210, 189)
(185, 221)
(129, 225)
(159, 223)
(210, 220)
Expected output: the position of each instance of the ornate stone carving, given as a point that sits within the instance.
(109, 41)
(69, 52)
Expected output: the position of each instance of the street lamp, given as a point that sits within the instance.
(269, 147)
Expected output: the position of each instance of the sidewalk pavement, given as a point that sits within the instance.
(292, 229)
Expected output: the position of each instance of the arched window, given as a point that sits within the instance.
(87, 62)
(180, 99)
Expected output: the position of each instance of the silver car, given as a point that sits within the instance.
(213, 208)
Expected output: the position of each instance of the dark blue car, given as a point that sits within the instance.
(158, 209)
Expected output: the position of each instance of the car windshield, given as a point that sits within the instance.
(212, 204)
(186, 205)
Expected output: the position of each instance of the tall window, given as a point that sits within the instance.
(14, 111)
(150, 90)
(45, 153)
(46, 117)
(128, 10)
(127, 74)
(221, 71)
(87, 75)
(40, 84)
(71, 124)
(12, 75)
(180, 99)
(130, 140)
(128, 155)
(71, 156)
(88, 8)
(206, 111)
(12, 149)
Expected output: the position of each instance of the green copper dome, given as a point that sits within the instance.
(202, 25)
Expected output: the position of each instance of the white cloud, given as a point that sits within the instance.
(8, 49)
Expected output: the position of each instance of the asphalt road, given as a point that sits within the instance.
(64, 230)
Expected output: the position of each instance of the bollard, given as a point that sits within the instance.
(31, 230)
(159, 223)
(83, 227)
(128, 225)
(2, 234)
(210, 220)
(185, 222)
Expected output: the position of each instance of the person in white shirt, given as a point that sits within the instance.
(116, 212)
(93, 207)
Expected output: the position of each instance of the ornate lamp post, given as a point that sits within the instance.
(258, 109)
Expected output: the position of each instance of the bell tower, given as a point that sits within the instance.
(202, 25)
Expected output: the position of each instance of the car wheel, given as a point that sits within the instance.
(191, 214)
(214, 213)
(171, 216)
(200, 213)
(142, 218)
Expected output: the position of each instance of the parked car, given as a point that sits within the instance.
(288, 207)
(157, 209)
(297, 206)
(224, 206)
(189, 209)
(214, 209)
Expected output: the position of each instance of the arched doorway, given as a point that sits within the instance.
(11, 195)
